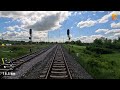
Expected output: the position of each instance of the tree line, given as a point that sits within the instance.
(100, 46)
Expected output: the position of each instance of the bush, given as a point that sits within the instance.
(93, 63)
(15, 48)
(96, 55)
(100, 50)
(87, 52)
(72, 51)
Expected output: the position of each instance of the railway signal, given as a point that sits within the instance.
(30, 35)
(30, 38)
(68, 34)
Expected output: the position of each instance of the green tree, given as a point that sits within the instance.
(98, 42)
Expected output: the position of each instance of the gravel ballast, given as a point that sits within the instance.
(24, 68)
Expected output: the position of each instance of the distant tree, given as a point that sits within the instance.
(98, 42)
(78, 42)
(72, 42)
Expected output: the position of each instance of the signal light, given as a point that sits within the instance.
(30, 31)
(68, 32)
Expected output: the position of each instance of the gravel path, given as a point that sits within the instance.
(77, 71)
(24, 68)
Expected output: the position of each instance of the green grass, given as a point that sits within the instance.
(19, 50)
(104, 66)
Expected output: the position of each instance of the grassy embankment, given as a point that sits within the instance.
(103, 66)
(18, 50)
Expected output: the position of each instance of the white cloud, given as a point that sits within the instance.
(71, 27)
(87, 23)
(79, 13)
(117, 34)
(113, 31)
(89, 39)
(24, 35)
(115, 25)
(98, 11)
(12, 28)
(105, 18)
(38, 20)
(101, 30)
(40, 34)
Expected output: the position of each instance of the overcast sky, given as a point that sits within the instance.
(52, 25)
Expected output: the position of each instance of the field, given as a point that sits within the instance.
(103, 66)
(16, 51)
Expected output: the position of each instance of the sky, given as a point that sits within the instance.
(52, 25)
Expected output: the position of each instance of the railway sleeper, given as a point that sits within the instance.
(58, 69)
(58, 72)
(58, 77)
(58, 66)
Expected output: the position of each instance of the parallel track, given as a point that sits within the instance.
(19, 61)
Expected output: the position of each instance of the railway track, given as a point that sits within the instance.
(9, 67)
(57, 68)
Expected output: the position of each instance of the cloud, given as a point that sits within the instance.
(101, 30)
(71, 27)
(40, 34)
(117, 34)
(51, 22)
(23, 35)
(12, 28)
(89, 39)
(98, 11)
(115, 25)
(87, 23)
(106, 17)
(77, 13)
(113, 31)
(38, 20)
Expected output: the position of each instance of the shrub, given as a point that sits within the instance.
(96, 55)
(72, 51)
(100, 50)
(87, 52)
(93, 63)
(15, 48)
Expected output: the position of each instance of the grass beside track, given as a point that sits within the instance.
(104, 66)
(18, 50)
